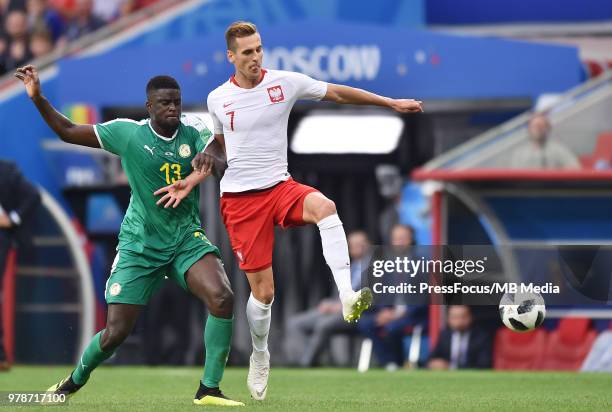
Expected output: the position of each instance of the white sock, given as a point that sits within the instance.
(335, 250)
(259, 315)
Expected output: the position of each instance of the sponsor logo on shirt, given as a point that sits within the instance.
(276, 94)
(150, 149)
(227, 104)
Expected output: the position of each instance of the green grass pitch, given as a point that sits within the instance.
(135, 389)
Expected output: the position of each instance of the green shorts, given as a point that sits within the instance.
(136, 275)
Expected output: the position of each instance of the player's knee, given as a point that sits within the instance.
(222, 302)
(264, 294)
(326, 208)
(113, 336)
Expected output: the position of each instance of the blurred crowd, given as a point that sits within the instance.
(32, 28)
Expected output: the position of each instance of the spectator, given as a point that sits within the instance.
(3, 50)
(310, 331)
(540, 152)
(18, 200)
(390, 187)
(65, 8)
(41, 42)
(387, 326)
(461, 344)
(40, 16)
(10, 5)
(84, 21)
(109, 10)
(17, 51)
(141, 4)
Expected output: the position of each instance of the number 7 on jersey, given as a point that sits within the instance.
(231, 115)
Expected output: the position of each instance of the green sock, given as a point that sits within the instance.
(91, 358)
(217, 340)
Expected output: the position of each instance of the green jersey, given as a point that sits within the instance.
(150, 162)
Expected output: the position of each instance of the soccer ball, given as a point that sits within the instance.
(522, 312)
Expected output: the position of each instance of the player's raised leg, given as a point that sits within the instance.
(259, 315)
(322, 211)
(120, 321)
(207, 280)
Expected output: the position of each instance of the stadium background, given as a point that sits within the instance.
(477, 66)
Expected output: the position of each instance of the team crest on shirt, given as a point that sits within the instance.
(185, 150)
(276, 94)
(115, 289)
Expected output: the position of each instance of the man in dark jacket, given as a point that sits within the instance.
(18, 201)
(461, 345)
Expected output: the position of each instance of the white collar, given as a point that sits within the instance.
(167, 139)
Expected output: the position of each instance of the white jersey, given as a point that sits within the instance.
(254, 124)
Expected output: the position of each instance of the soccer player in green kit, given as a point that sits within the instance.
(153, 242)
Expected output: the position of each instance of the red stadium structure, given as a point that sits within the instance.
(518, 351)
(568, 345)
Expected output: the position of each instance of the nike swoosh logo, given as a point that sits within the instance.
(227, 104)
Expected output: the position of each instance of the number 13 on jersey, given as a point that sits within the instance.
(176, 172)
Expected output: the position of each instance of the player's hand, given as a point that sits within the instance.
(173, 194)
(203, 163)
(407, 105)
(29, 76)
(5, 222)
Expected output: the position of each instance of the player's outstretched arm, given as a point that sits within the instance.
(174, 194)
(210, 161)
(350, 95)
(69, 132)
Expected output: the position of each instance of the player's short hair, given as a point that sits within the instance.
(162, 82)
(238, 29)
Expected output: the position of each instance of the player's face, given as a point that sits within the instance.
(459, 318)
(247, 56)
(164, 107)
(401, 237)
(358, 245)
(539, 128)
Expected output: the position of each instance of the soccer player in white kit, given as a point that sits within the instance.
(250, 113)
